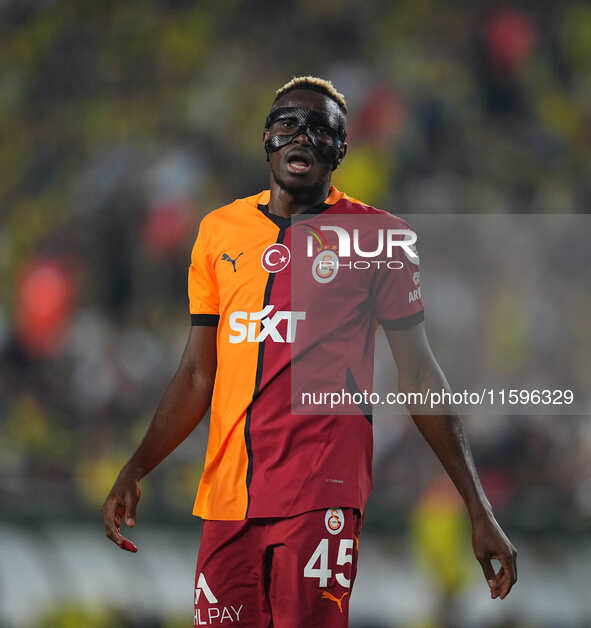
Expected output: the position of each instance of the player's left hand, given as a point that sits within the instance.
(488, 542)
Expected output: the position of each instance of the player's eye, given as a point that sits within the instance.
(285, 125)
(323, 133)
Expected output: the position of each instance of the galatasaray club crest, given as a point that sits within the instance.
(334, 520)
(326, 263)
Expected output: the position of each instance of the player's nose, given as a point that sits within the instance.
(303, 138)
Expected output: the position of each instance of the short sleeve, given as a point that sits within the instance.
(399, 302)
(203, 290)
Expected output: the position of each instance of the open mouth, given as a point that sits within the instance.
(298, 163)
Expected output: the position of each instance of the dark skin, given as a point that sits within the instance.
(418, 371)
(304, 190)
(183, 405)
(188, 395)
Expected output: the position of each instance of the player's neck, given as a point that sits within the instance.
(287, 203)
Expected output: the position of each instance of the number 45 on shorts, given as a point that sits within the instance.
(317, 565)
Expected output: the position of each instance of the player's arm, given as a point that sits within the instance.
(418, 371)
(183, 405)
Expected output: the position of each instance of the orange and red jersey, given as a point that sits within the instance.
(286, 326)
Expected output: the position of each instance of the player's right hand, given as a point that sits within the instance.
(121, 503)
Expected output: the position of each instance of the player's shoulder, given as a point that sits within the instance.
(351, 205)
(231, 209)
(235, 213)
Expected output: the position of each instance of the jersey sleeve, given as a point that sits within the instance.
(399, 303)
(203, 290)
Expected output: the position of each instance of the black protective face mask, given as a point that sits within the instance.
(326, 131)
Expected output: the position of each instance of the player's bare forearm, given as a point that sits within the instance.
(447, 438)
(183, 405)
(418, 371)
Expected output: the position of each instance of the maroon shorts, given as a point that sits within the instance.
(284, 573)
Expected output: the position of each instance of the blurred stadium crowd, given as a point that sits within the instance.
(122, 123)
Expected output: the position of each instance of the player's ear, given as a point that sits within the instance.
(342, 153)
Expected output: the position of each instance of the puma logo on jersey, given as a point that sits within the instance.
(227, 258)
(245, 325)
(338, 600)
